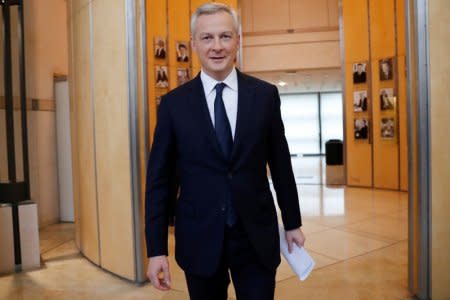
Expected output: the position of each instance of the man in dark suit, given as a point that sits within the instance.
(222, 128)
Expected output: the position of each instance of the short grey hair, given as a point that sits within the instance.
(213, 8)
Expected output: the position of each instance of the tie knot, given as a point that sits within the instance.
(219, 88)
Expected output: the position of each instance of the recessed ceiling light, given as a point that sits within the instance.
(282, 83)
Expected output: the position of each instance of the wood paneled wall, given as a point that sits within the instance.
(289, 35)
(372, 31)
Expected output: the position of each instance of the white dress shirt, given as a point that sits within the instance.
(229, 96)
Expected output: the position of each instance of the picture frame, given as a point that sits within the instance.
(361, 129)
(359, 73)
(160, 48)
(183, 51)
(183, 76)
(387, 128)
(360, 102)
(161, 77)
(387, 99)
(386, 69)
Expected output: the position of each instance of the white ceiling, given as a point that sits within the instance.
(304, 81)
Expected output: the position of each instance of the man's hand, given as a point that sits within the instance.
(295, 236)
(156, 266)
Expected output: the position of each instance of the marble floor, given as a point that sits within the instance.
(358, 238)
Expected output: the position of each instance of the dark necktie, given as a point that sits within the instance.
(225, 139)
(222, 125)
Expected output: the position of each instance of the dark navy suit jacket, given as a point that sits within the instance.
(185, 138)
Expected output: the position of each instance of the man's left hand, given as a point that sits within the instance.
(295, 236)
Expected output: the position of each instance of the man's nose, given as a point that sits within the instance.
(217, 44)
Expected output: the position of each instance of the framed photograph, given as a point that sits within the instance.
(387, 128)
(387, 99)
(160, 48)
(182, 51)
(386, 69)
(162, 78)
(360, 101)
(361, 129)
(359, 72)
(183, 76)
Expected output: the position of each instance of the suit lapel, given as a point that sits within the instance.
(201, 114)
(245, 101)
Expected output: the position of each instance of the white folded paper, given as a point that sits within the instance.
(300, 261)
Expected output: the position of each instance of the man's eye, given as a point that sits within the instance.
(205, 38)
(226, 37)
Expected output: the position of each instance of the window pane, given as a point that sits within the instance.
(300, 114)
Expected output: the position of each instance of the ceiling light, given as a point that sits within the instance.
(282, 83)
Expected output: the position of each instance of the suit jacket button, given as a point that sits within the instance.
(223, 208)
(230, 175)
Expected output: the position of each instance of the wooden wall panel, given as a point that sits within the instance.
(358, 152)
(156, 12)
(307, 14)
(112, 138)
(179, 30)
(382, 28)
(356, 30)
(246, 13)
(333, 13)
(387, 156)
(84, 140)
(402, 101)
(402, 123)
(385, 151)
(292, 56)
(356, 49)
(266, 15)
(73, 128)
(439, 68)
(383, 45)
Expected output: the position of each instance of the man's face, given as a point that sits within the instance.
(182, 51)
(360, 69)
(385, 67)
(216, 43)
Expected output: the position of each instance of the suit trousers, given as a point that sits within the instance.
(251, 280)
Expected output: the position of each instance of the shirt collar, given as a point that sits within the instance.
(209, 83)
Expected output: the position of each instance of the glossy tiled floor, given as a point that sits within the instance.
(358, 238)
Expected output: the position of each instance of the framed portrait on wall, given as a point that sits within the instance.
(387, 99)
(386, 69)
(183, 76)
(360, 101)
(361, 129)
(387, 128)
(359, 72)
(183, 53)
(161, 77)
(160, 48)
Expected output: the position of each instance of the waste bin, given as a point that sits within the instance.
(334, 152)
